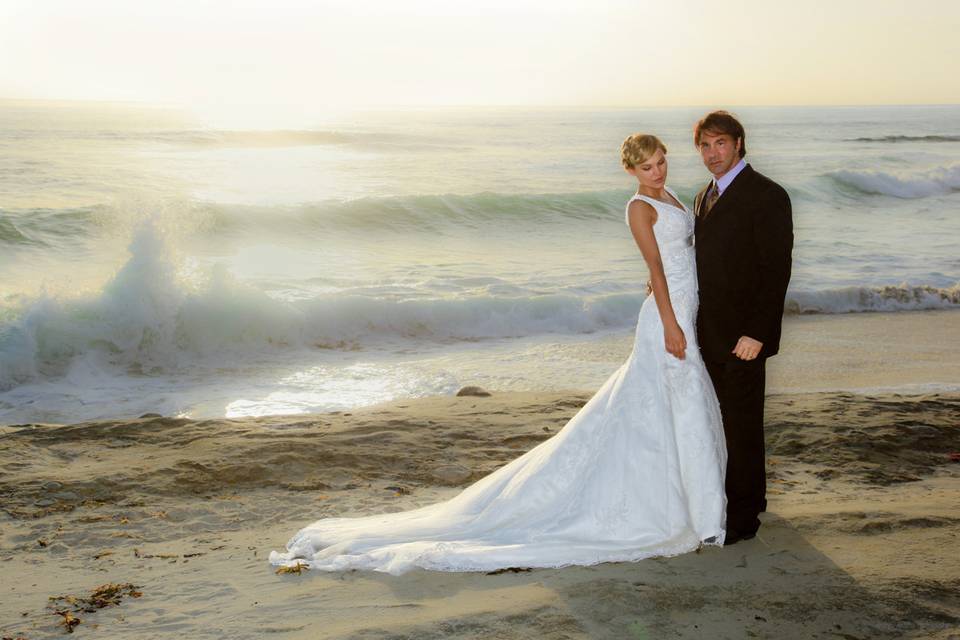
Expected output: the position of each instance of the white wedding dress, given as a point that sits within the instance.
(637, 472)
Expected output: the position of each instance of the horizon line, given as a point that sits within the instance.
(175, 105)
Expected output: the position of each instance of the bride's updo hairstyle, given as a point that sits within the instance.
(638, 148)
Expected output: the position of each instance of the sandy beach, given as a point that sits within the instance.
(857, 541)
(243, 279)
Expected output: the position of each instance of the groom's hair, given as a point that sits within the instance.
(717, 122)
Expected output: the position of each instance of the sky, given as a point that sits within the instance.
(232, 54)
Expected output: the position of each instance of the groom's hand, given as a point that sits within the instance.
(747, 348)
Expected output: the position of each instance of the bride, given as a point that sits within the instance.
(637, 472)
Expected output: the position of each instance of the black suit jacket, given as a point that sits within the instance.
(744, 250)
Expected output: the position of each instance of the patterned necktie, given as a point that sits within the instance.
(711, 199)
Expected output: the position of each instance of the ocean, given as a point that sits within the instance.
(154, 260)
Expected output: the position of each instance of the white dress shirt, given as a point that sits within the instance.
(724, 181)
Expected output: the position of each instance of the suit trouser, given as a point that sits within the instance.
(740, 387)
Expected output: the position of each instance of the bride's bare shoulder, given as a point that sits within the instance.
(641, 210)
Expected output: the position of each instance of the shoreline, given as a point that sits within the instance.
(861, 517)
(867, 353)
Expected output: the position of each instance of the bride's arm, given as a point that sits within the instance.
(642, 216)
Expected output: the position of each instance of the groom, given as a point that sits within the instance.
(744, 236)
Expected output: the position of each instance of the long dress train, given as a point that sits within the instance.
(637, 472)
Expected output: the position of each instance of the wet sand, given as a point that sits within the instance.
(859, 540)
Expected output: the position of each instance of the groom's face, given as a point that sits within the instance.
(720, 152)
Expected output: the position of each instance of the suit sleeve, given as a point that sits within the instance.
(773, 243)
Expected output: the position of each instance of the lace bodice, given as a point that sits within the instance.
(673, 228)
(674, 233)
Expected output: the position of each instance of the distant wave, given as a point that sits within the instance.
(937, 181)
(272, 138)
(278, 138)
(931, 138)
(902, 297)
(10, 234)
(50, 227)
(418, 214)
(240, 138)
(435, 211)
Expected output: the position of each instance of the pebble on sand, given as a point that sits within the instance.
(473, 391)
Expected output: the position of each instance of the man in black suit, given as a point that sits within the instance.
(744, 238)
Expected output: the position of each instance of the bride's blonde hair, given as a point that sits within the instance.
(638, 148)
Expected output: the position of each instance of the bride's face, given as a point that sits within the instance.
(651, 173)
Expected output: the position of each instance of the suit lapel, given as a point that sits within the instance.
(727, 200)
(697, 201)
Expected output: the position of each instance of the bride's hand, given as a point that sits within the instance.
(674, 340)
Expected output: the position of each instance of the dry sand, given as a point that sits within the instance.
(860, 540)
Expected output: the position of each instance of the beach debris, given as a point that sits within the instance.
(164, 556)
(106, 595)
(473, 391)
(92, 519)
(297, 568)
(42, 543)
(110, 594)
(69, 621)
(954, 457)
(509, 570)
(398, 490)
(102, 554)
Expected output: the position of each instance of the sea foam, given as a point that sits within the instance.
(150, 319)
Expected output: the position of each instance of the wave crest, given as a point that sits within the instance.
(146, 320)
(904, 138)
(937, 181)
(902, 297)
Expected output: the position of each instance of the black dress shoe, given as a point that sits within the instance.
(733, 537)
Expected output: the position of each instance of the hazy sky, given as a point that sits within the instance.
(224, 54)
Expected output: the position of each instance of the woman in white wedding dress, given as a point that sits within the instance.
(637, 472)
